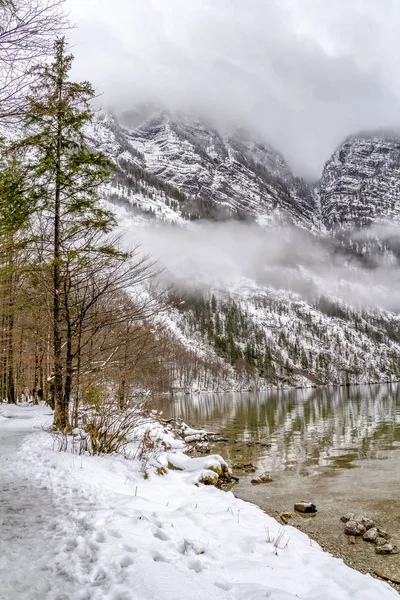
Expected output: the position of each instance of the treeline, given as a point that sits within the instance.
(234, 336)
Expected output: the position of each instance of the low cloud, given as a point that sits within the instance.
(235, 256)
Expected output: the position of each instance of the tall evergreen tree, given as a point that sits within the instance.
(68, 175)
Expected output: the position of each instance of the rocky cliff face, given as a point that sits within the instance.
(360, 184)
(218, 177)
(185, 169)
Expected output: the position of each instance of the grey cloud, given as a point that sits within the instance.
(299, 74)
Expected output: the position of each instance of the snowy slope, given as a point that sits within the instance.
(287, 341)
(316, 329)
(92, 527)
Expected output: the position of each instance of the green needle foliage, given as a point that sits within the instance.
(63, 163)
(16, 205)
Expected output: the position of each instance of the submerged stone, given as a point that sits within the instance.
(249, 467)
(264, 478)
(387, 549)
(347, 517)
(358, 518)
(352, 539)
(371, 535)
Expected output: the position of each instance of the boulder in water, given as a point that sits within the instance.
(305, 507)
(354, 528)
(264, 478)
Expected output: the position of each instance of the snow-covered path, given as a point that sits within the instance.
(25, 507)
(91, 528)
(40, 529)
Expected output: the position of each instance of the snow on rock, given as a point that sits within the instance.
(192, 435)
(206, 469)
(217, 176)
(213, 462)
(360, 183)
(87, 527)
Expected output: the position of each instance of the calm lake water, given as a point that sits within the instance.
(337, 447)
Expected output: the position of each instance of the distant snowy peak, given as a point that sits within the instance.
(360, 184)
(220, 177)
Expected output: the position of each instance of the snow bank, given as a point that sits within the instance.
(205, 469)
(214, 462)
(94, 528)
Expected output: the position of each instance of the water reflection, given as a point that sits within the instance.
(307, 429)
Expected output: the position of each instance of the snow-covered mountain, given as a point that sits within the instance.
(217, 177)
(303, 322)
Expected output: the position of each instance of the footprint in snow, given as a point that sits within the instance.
(126, 561)
(223, 585)
(93, 546)
(71, 545)
(129, 548)
(100, 578)
(161, 535)
(123, 596)
(100, 537)
(157, 557)
(114, 533)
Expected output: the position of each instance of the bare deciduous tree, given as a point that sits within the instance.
(27, 32)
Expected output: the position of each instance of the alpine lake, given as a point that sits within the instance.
(338, 448)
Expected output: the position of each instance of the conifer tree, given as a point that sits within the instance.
(68, 175)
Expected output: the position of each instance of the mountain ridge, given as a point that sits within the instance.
(231, 176)
(182, 173)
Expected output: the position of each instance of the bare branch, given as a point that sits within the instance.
(27, 32)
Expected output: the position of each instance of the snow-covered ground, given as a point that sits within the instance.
(82, 527)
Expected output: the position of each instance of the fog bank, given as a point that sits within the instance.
(234, 255)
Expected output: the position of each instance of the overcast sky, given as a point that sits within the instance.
(303, 74)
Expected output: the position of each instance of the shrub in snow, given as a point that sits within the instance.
(105, 430)
(150, 446)
(110, 429)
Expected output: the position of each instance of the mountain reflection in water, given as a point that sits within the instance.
(308, 429)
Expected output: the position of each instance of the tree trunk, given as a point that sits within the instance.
(36, 371)
(3, 353)
(11, 395)
(75, 410)
(68, 362)
(122, 394)
(61, 410)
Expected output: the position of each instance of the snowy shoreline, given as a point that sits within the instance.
(90, 527)
(275, 388)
